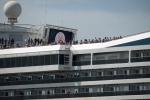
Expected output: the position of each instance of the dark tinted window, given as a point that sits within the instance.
(29, 61)
(18, 62)
(47, 60)
(7, 62)
(24, 61)
(13, 62)
(61, 59)
(54, 59)
(41, 60)
(1, 63)
(35, 60)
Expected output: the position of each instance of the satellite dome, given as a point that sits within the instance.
(12, 9)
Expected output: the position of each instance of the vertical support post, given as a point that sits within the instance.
(91, 58)
(129, 56)
(70, 58)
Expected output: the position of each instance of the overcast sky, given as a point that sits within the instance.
(92, 18)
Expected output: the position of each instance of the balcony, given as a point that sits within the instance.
(77, 95)
(111, 61)
(81, 63)
(140, 59)
(75, 79)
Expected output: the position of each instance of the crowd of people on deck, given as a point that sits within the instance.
(86, 41)
(99, 40)
(6, 42)
(9, 43)
(34, 42)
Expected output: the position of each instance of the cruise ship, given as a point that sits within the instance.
(60, 70)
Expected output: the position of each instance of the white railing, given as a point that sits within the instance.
(25, 27)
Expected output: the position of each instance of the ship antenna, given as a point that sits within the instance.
(45, 11)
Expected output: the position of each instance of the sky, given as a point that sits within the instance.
(92, 18)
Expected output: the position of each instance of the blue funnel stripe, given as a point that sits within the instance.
(135, 43)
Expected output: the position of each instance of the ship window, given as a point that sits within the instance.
(127, 71)
(29, 61)
(61, 59)
(54, 59)
(17, 78)
(7, 62)
(81, 90)
(76, 74)
(101, 73)
(142, 87)
(9, 93)
(57, 91)
(13, 62)
(126, 88)
(113, 57)
(100, 58)
(146, 53)
(90, 89)
(18, 62)
(42, 92)
(76, 91)
(24, 61)
(23, 78)
(41, 60)
(1, 63)
(40, 77)
(116, 88)
(34, 92)
(115, 72)
(35, 60)
(100, 89)
(1, 93)
(47, 59)
(29, 77)
(7, 78)
(28, 92)
(6, 93)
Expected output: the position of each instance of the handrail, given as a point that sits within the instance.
(129, 91)
(141, 57)
(77, 77)
(111, 59)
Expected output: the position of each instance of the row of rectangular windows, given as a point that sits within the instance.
(74, 90)
(92, 74)
(31, 61)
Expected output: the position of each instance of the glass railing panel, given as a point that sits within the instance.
(81, 63)
(110, 61)
(140, 59)
(96, 62)
(75, 95)
(75, 79)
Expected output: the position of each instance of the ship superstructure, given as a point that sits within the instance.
(116, 70)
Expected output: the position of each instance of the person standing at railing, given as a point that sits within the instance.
(8, 41)
(41, 41)
(0, 41)
(77, 42)
(5, 41)
(81, 42)
(38, 41)
(99, 40)
(29, 41)
(12, 42)
(35, 41)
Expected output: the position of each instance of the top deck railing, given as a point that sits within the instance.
(25, 27)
